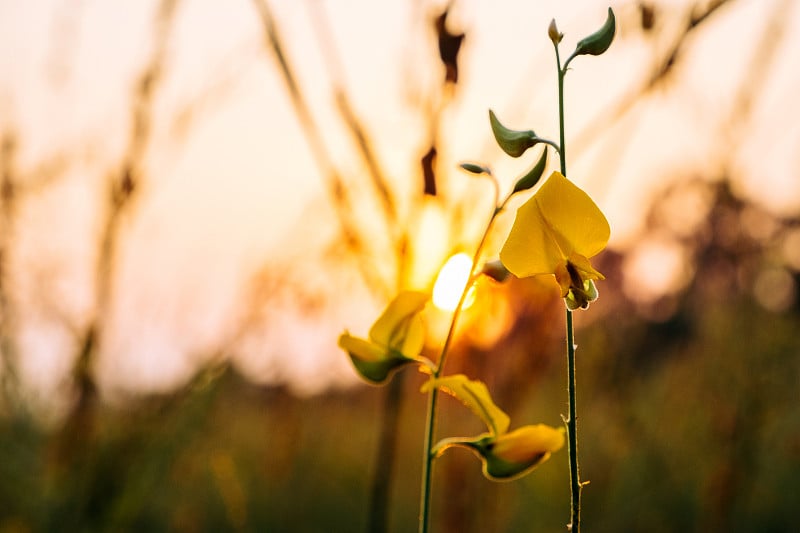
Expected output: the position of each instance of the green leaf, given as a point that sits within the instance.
(599, 41)
(534, 174)
(512, 142)
(474, 168)
(475, 396)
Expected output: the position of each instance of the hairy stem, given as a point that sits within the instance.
(572, 420)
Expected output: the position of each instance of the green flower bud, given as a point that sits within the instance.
(474, 168)
(512, 142)
(533, 176)
(598, 42)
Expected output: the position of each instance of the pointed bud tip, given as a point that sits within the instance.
(553, 33)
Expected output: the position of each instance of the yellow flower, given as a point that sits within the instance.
(504, 454)
(556, 232)
(513, 454)
(395, 339)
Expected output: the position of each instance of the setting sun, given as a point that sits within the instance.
(450, 282)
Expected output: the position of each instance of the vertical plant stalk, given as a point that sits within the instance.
(378, 513)
(572, 419)
(430, 429)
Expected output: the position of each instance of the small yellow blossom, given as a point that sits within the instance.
(556, 232)
(505, 454)
(395, 339)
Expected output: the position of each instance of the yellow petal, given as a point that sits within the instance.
(362, 348)
(584, 267)
(563, 278)
(579, 224)
(527, 443)
(531, 247)
(516, 453)
(475, 395)
(394, 326)
(415, 338)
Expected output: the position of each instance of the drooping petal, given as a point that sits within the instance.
(361, 348)
(531, 247)
(528, 442)
(392, 327)
(514, 454)
(579, 224)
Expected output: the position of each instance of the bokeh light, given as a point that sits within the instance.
(450, 283)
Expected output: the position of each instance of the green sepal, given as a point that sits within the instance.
(474, 168)
(581, 298)
(378, 372)
(598, 42)
(533, 176)
(512, 142)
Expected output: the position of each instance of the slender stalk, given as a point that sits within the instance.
(430, 428)
(572, 419)
(384, 457)
(572, 433)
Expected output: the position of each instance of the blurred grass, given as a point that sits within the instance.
(701, 433)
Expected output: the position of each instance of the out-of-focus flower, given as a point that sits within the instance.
(514, 454)
(556, 232)
(395, 339)
(505, 454)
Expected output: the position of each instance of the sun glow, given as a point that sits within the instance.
(450, 282)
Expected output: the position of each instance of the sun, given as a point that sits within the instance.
(450, 282)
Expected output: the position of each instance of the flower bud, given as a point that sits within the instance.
(512, 142)
(553, 33)
(598, 42)
(532, 177)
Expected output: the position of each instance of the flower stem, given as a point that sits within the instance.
(428, 455)
(572, 432)
(572, 420)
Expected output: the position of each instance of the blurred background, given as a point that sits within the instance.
(197, 197)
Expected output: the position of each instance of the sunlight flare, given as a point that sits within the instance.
(450, 282)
